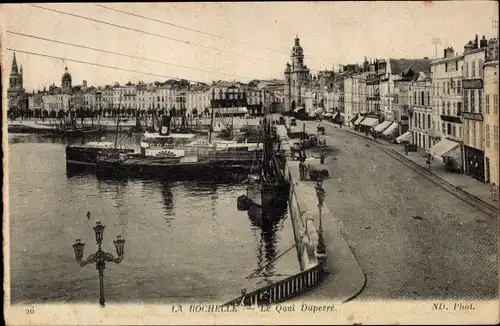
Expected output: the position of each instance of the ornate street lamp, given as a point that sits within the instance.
(100, 257)
(320, 247)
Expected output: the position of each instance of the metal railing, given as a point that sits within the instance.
(282, 290)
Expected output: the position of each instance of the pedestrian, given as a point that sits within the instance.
(406, 149)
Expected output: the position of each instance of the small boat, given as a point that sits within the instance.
(267, 191)
(86, 154)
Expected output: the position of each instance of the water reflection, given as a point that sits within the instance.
(162, 222)
(267, 226)
(168, 201)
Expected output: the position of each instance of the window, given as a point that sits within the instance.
(448, 86)
(459, 87)
(415, 98)
(495, 104)
(443, 127)
(473, 70)
(454, 131)
(473, 134)
(422, 98)
(466, 100)
(480, 99)
(480, 68)
(472, 101)
(466, 73)
(428, 121)
(428, 98)
(481, 133)
(487, 136)
(446, 67)
(459, 108)
(456, 65)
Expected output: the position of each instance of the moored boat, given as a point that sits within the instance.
(86, 154)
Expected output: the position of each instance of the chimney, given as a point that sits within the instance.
(426, 58)
(468, 47)
(449, 52)
(476, 43)
(483, 43)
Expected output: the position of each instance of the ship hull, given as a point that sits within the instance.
(87, 156)
(170, 169)
(266, 200)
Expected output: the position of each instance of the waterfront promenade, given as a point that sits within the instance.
(109, 125)
(412, 238)
(346, 278)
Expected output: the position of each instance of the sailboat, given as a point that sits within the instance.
(87, 154)
(267, 190)
(71, 128)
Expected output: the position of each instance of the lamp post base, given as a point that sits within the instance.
(322, 260)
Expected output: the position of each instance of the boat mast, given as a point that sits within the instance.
(211, 129)
(118, 119)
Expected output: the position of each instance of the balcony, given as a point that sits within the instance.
(451, 118)
(433, 133)
(472, 116)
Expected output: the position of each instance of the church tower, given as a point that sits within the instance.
(66, 81)
(296, 76)
(15, 92)
(16, 78)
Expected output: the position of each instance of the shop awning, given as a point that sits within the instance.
(391, 129)
(444, 147)
(369, 122)
(455, 154)
(406, 137)
(299, 109)
(354, 119)
(381, 127)
(317, 112)
(358, 121)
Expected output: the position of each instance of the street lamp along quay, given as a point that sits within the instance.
(321, 247)
(99, 257)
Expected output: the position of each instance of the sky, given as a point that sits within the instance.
(331, 33)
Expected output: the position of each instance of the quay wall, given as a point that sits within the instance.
(306, 238)
(306, 235)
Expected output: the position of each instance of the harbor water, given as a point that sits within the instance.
(185, 241)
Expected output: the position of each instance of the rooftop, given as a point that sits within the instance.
(398, 66)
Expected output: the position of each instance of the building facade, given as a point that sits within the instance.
(421, 110)
(491, 115)
(447, 97)
(473, 108)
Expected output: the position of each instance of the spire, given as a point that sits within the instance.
(14, 66)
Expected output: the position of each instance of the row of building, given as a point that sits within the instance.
(447, 106)
(158, 96)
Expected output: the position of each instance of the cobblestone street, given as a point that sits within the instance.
(413, 239)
